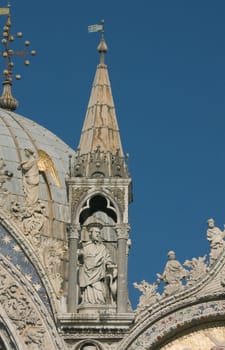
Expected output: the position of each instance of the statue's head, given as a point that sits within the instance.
(171, 255)
(95, 231)
(211, 223)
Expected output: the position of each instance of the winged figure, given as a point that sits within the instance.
(46, 164)
(30, 170)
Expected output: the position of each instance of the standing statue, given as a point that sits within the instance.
(94, 271)
(30, 171)
(173, 275)
(216, 238)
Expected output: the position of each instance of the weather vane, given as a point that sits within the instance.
(7, 101)
(97, 28)
(102, 47)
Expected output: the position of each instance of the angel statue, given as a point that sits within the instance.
(30, 171)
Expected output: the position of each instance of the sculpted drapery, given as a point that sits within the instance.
(30, 177)
(95, 259)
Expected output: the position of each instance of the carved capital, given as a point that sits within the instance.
(73, 231)
(123, 231)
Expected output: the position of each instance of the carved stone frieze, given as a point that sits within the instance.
(198, 269)
(19, 310)
(150, 333)
(51, 253)
(119, 195)
(23, 311)
(149, 295)
(77, 193)
(31, 220)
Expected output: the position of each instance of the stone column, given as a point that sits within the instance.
(72, 277)
(122, 293)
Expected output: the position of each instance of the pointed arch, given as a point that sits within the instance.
(112, 206)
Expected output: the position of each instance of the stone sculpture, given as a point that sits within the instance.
(149, 295)
(94, 271)
(30, 170)
(216, 238)
(198, 268)
(173, 275)
(30, 173)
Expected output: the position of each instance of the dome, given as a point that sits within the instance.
(17, 134)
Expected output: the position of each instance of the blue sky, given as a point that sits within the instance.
(166, 63)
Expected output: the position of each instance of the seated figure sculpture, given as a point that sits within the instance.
(96, 264)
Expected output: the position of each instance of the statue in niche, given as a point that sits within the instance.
(216, 238)
(97, 273)
(173, 275)
(30, 170)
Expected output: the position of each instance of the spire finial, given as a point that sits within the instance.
(7, 101)
(102, 47)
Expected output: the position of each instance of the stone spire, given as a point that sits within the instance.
(99, 193)
(100, 138)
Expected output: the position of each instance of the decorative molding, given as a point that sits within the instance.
(51, 253)
(77, 193)
(25, 312)
(119, 196)
(16, 238)
(30, 219)
(185, 317)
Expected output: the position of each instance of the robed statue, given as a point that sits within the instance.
(97, 273)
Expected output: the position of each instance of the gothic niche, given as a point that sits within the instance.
(97, 258)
